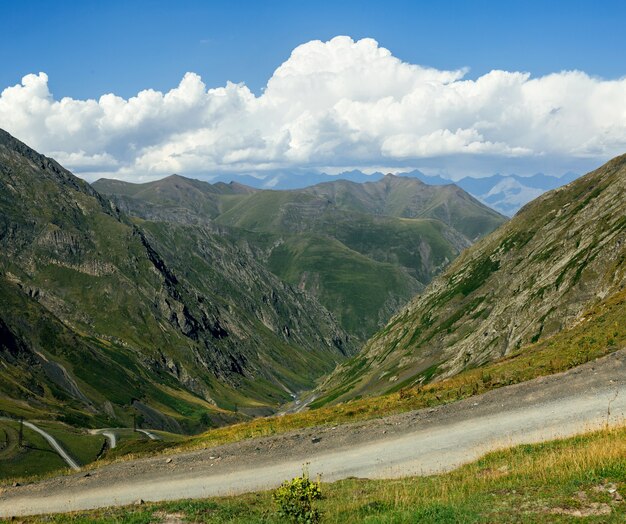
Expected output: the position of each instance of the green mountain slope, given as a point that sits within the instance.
(528, 280)
(406, 197)
(175, 198)
(335, 240)
(108, 317)
(393, 196)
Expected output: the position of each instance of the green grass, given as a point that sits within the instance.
(36, 457)
(546, 482)
(354, 287)
(82, 446)
(38, 460)
(360, 264)
(130, 443)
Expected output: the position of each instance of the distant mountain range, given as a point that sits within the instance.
(504, 193)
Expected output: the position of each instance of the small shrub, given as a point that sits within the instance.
(295, 499)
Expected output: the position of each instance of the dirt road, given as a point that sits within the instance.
(53, 444)
(419, 442)
(108, 434)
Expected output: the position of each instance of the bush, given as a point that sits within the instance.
(295, 499)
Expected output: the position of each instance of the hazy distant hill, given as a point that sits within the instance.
(509, 193)
(533, 277)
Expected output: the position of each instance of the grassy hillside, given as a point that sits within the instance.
(362, 267)
(395, 234)
(602, 333)
(52, 372)
(407, 197)
(530, 279)
(332, 272)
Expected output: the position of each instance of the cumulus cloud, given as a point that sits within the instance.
(331, 104)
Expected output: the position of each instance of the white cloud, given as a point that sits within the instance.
(331, 104)
(81, 161)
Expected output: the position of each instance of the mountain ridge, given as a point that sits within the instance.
(504, 193)
(390, 236)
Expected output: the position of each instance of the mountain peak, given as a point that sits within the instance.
(8, 140)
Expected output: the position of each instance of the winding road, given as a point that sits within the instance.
(151, 436)
(53, 443)
(107, 434)
(420, 442)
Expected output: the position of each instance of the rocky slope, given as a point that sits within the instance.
(533, 277)
(363, 250)
(101, 316)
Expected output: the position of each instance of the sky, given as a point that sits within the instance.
(139, 90)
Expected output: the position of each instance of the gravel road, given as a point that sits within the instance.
(151, 436)
(415, 443)
(53, 443)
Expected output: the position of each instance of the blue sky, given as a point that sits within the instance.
(89, 48)
(139, 90)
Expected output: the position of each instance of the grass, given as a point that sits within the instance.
(131, 443)
(550, 482)
(37, 460)
(361, 265)
(35, 457)
(82, 446)
(356, 288)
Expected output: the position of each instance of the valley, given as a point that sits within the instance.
(312, 262)
(528, 281)
(97, 324)
(362, 250)
(177, 302)
(378, 330)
